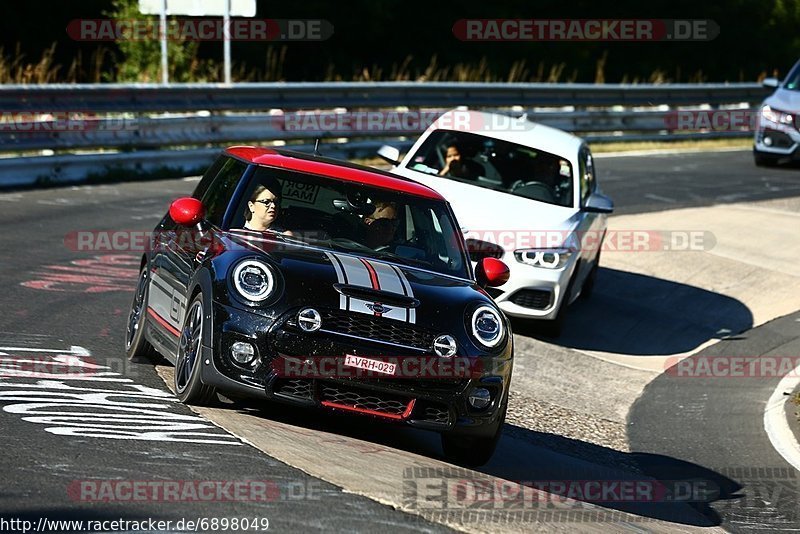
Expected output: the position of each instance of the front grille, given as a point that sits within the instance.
(377, 328)
(537, 299)
(383, 403)
(294, 388)
(436, 414)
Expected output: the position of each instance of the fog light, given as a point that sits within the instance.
(480, 398)
(243, 352)
(768, 140)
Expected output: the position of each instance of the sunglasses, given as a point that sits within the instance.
(268, 202)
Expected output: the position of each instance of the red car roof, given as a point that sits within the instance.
(312, 165)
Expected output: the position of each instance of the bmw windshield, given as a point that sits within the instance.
(495, 164)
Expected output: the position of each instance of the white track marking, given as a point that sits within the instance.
(780, 435)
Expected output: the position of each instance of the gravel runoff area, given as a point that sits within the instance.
(543, 417)
(554, 404)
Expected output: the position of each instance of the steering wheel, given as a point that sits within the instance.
(534, 190)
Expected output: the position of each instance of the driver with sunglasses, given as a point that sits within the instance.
(262, 208)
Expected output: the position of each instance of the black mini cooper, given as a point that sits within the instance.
(319, 283)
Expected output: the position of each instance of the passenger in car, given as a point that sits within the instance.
(381, 226)
(458, 166)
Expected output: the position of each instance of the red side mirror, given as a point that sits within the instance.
(492, 272)
(187, 211)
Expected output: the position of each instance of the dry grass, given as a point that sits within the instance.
(15, 68)
(710, 144)
(519, 71)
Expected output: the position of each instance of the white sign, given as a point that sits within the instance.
(199, 8)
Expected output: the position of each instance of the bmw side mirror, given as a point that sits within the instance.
(187, 211)
(598, 203)
(390, 154)
(772, 83)
(491, 272)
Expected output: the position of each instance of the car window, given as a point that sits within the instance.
(792, 81)
(218, 196)
(360, 219)
(495, 164)
(208, 177)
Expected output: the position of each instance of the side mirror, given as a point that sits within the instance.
(187, 211)
(390, 154)
(770, 82)
(598, 203)
(491, 272)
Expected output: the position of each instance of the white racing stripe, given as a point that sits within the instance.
(361, 272)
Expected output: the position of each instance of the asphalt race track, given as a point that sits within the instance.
(87, 435)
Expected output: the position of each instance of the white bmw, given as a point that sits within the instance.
(523, 192)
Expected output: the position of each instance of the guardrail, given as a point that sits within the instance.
(174, 126)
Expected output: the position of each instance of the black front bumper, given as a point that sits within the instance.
(437, 403)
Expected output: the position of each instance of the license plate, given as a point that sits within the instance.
(370, 365)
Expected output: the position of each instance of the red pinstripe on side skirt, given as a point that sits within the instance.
(163, 322)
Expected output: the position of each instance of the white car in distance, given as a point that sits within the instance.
(523, 192)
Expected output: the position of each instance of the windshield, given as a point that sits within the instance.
(360, 219)
(494, 164)
(792, 81)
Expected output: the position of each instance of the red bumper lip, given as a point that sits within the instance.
(366, 411)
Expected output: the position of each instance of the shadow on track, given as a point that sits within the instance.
(642, 315)
(531, 458)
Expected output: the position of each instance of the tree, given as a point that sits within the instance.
(141, 58)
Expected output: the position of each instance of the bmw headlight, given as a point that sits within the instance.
(549, 258)
(776, 116)
(487, 326)
(253, 280)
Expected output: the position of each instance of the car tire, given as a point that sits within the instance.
(764, 160)
(137, 348)
(472, 451)
(189, 387)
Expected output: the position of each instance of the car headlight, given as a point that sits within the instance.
(487, 326)
(776, 116)
(549, 258)
(253, 280)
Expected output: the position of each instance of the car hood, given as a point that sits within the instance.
(484, 212)
(335, 280)
(785, 100)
